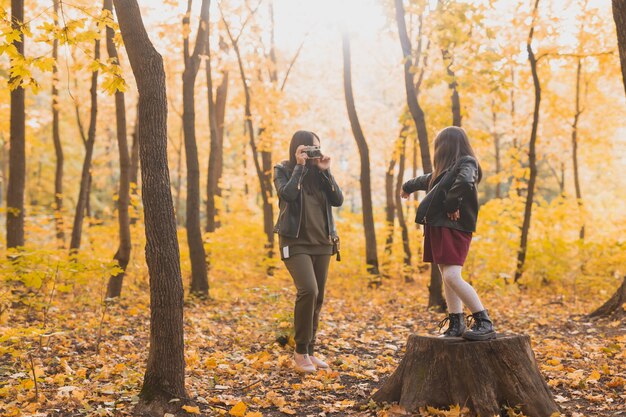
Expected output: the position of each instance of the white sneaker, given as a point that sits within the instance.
(318, 363)
(303, 364)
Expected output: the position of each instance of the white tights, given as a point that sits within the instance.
(457, 291)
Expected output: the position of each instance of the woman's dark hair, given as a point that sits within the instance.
(451, 144)
(304, 137)
(301, 137)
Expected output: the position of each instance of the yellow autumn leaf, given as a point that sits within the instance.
(594, 377)
(238, 410)
(254, 414)
(191, 409)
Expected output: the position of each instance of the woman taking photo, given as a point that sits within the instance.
(307, 192)
(449, 213)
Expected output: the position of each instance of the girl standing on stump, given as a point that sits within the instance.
(307, 191)
(448, 213)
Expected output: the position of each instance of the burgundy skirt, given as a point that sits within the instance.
(446, 246)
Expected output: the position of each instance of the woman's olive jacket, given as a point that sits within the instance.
(288, 185)
(454, 189)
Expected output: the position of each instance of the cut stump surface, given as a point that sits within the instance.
(483, 376)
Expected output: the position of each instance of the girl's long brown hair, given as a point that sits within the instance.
(451, 144)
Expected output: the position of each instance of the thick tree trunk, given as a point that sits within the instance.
(217, 111)
(411, 96)
(614, 307)
(197, 254)
(17, 150)
(165, 373)
(371, 254)
(56, 139)
(85, 178)
(407, 270)
(619, 16)
(482, 376)
(577, 113)
(122, 256)
(532, 156)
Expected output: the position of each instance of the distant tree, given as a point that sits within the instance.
(199, 273)
(85, 178)
(122, 256)
(257, 156)
(401, 219)
(619, 16)
(532, 154)
(217, 114)
(412, 89)
(17, 150)
(56, 137)
(371, 253)
(165, 373)
(411, 94)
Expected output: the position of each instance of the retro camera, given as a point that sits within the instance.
(313, 152)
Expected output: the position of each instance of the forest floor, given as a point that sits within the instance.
(236, 365)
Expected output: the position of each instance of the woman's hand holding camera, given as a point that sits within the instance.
(301, 155)
(323, 163)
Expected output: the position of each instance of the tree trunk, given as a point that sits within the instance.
(455, 100)
(407, 271)
(85, 178)
(390, 206)
(516, 145)
(619, 16)
(260, 166)
(197, 254)
(122, 256)
(497, 145)
(165, 373)
(371, 255)
(484, 376)
(411, 96)
(435, 298)
(614, 307)
(134, 169)
(17, 150)
(532, 158)
(56, 139)
(217, 110)
(577, 113)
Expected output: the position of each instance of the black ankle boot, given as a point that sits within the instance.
(456, 325)
(482, 329)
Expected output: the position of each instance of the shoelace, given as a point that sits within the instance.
(470, 321)
(442, 323)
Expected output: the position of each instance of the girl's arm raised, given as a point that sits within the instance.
(417, 184)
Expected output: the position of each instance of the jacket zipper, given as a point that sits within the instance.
(301, 201)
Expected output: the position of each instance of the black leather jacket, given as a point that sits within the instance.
(454, 189)
(288, 185)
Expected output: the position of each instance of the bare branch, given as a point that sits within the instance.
(292, 63)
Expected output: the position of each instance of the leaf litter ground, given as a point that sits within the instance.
(238, 363)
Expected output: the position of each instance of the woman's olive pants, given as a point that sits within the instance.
(309, 273)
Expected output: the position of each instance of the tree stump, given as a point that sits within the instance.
(614, 305)
(482, 376)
